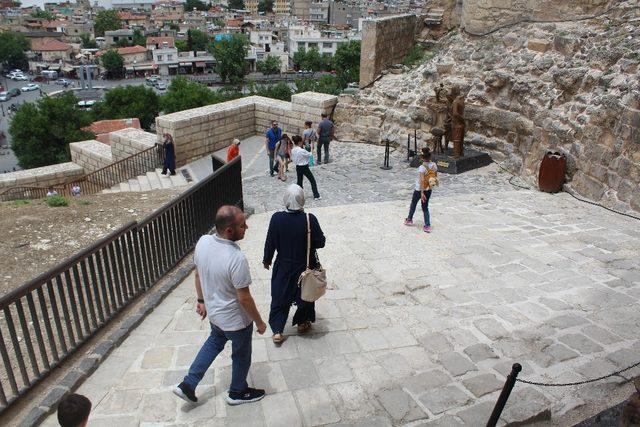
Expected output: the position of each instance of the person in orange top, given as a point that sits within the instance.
(233, 150)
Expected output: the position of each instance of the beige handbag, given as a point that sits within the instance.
(313, 283)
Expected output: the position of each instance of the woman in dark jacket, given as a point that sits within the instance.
(288, 236)
(169, 155)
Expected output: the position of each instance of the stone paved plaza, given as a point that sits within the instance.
(417, 329)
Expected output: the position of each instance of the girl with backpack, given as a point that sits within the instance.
(427, 179)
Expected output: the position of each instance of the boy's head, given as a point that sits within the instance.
(297, 140)
(73, 410)
(308, 123)
(324, 115)
(426, 154)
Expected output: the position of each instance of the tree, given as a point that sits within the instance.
(197, 40)
(271, 65)
(325, 84)
(12, 50)
(41, 131)
(173, 26)
(265, 6)
(184, 95)
(113, 63)
(138, 38)
(43, 14)
(230, 56)
(106, 20)
(189, 5)
(125, 102)
(280, 91)
(122, 43)
(347, 62)
(87, 41)
(236, 4)
(309, 60)
(182, 45)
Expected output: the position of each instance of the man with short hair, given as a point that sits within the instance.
(222, 288)
(73, 410)
(325, 135)
(273, 136)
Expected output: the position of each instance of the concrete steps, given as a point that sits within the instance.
(150, 181)
(434, 17)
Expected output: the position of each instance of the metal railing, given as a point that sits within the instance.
(51, 316)
(130, 167)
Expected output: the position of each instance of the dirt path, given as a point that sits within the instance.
(35, 237)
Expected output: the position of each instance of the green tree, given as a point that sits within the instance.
(173, 26)
(106, 20)
(197, 40)
(230, 56)
(280, 91)
(189, 5)
(271, 65)
(184, 95)
(310, 60)
(87, 41)
(265, 6)
(236, 4)
(113, 63)
(347, 62)
(182, 45)
(43, 14)
(125, 102)
(122, 43)
(325, 84)
(41, 131)
(12, 50)
(138, 38)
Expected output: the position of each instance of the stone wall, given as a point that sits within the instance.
(385, 41)
(46, 176)
(91, 155)
(127, 142)
(201, 131)
(483, 16)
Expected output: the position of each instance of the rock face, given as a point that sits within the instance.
(572, 87)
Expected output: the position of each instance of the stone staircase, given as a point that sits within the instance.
(434, 17)
(150, 181)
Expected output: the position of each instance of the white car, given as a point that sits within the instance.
(29, 87)
(17, 76)
(5, 96)
(86, 105)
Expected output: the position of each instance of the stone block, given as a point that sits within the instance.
(553, 354)
(370, 339)
(399, 405)
(491, 328)
(455, 363)
(526, 405)
(158, 358)
(479, 352)
(477, 414)
(538, 45)
(280, 410)
(435, 342)
(580, 343)
(624, 357)
(316, 406)
(483, 384)
(299, 373)
(444, 399)
(332, 370)
(119, 402)
(426, 381)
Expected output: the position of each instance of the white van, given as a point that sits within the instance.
(50, 74)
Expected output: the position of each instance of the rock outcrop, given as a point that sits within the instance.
(572, 87)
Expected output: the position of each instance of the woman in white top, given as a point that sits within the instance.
(300, 158)
(422, 190)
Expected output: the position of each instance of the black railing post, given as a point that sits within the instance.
(408, 147)
(504, 395)
(385, 165)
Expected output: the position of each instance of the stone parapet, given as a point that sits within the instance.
(91, 155)
(201, 131)
(45, 176)
(130, 141)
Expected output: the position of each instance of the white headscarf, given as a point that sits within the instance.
(294, 198)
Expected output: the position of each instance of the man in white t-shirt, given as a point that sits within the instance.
(222, 288)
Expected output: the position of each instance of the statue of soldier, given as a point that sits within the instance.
(454, 124)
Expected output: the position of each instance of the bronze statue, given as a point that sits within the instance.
(454, 125)
(436, 140)
(438, 90)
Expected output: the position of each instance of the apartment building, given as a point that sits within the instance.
(326, 42)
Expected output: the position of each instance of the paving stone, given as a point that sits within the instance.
(398, 336)
(455, 363)
(370, 340)
(204, 410)
(316, 406)
(624, 357)
(601, 335)
(34, 417)
(399, 405)
(244, 415)
(477, 414)
(120, 401)
(299, 373)
(444, 399)
(443, 421)
(580, 343)
(566, 321)
(525, 406)
(553, 354)
(286, 351)
(53, 397)
(425, 381)
(491, 328)
(351, 400)
(280, 410)
(112, 421)
(596, 368)
(158, 358)
(394, 363)
(158, 407)
(482, 384)
(332, 370)
(479, 352)
(171, 378)
(268, 376)
(435, 343)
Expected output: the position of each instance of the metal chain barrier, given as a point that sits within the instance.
(613, 374)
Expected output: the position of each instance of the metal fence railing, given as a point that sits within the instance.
(130, 167)
(48, 318)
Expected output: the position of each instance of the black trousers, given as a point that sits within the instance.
(323, 142)
(305, 171)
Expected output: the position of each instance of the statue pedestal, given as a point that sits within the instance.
(472, 159)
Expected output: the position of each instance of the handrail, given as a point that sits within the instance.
(116, 163)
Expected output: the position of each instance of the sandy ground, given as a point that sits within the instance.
(35, 237)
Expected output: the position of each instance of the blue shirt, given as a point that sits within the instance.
(274, 136)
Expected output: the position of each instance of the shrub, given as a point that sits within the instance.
(415, 55)
(20, 202)
(56, 201)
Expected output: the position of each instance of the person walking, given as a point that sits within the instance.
(287, 235)
(325, 135)
(300, 158)
(281, 151)
(234, 150)
(273, 136)
(422, 189)
(222, 288)
(169, 155)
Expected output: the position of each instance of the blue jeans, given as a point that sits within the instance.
(425, 206)
(240, 357)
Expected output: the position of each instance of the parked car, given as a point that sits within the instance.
(5, 96)
(14, 92)
(30, 87)
(161, 85)
(86, 105)
(63, 82)
(17, 76)
(151, 81)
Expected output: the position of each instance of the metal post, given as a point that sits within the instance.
(504, 395)
(386, 166)
(415, 141)
(408, 147)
